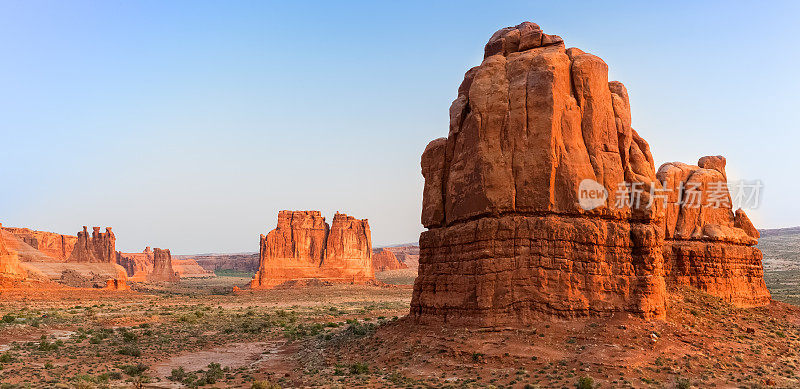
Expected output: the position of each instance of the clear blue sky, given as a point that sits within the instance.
(188, 125)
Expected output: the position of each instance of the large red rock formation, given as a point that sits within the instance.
(522, 203)
(137, 265)
(507, 240)
(57, 246)
(162, 267)
(384, 259)
(9, 261)
(707, 245)
(303, 246)
(97, 248)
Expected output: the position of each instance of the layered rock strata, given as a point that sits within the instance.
(189, 268)
(10, 266)
(707, 245)
(303, 246)
(56, 246)
(507, 238)
(544, 201)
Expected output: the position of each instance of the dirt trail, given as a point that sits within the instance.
(233, 355)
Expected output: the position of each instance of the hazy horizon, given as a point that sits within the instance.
(189, 125)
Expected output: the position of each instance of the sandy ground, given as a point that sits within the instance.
(356, 336)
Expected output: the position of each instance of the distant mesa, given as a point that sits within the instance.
(507, 239)
(384, 259)
(304, 247)
(189, 268)
(242, 263)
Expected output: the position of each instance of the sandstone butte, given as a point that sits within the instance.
(162, 267)
(139, 266)
(99, 249)
(56, 246)
(96, 248)
(10, 267)
(304, 247)
(384, 259)
(507, 242)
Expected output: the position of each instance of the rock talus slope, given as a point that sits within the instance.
(303, 246)
(510, 235)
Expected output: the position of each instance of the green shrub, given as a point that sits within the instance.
(213, 373)
(129, 336)
(134, 370)
(264, 385)
(131, 351)
(359, 368)
(177, 374)
(585, 383)
(7, 358)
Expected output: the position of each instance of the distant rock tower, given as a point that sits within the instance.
(162, 267)
(100, 247)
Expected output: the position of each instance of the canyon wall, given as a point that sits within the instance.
(10, 265)
(57, 246)
(540, 201)
(303, 246)
(245, 263)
